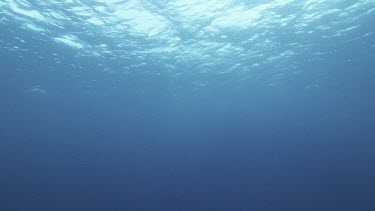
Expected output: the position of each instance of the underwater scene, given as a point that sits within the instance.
(187, 105)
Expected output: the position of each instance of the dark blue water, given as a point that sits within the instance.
(286, 124)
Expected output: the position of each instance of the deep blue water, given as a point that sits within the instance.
(184, 105)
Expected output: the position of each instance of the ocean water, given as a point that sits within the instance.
(187, 105)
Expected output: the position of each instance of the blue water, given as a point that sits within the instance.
(187, 105)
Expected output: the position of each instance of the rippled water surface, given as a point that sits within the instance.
(193, 37)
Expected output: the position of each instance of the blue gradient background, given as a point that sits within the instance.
(96, 138)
